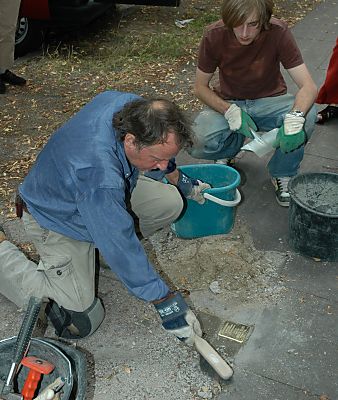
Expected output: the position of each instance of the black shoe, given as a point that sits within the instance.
(2, 87)
(12, 79)
(282, 190)
(329, 112)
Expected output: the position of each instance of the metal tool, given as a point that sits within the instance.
(222, 368)
(8, 396)
(21, 346)
(262, 142)
(37, 367)
(46, 395)
(256, 136)
(52, 390)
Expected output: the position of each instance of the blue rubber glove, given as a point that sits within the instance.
(240, 121)
(192, 188)
(290, 135)
(177, 318)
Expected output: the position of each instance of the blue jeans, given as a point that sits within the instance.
(214, 139)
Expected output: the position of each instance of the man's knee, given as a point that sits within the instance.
(211, 131)
(172, 204)
(70, 324)
(166, 210)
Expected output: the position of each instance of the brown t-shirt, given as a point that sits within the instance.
(253, 71)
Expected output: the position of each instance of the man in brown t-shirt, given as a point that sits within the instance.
(247, 47)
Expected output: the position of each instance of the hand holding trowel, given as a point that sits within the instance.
(220, 366)
(178, 319)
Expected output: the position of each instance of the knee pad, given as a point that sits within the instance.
(70, 324)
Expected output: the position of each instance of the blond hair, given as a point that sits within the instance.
(236, 12)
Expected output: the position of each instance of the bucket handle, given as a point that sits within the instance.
(226, 203)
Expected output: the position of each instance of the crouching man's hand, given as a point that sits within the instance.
(240, 121)
(177, 318)
(192, 188)
(291, 134)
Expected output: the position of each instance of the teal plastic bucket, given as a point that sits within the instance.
(217, 215)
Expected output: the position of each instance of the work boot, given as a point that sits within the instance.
(12, 79)
(281, 190)
(2, 87)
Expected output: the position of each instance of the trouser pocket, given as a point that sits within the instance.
(61, 282)
(68, 266)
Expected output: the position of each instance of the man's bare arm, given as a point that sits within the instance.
(207, 95)
(307, 92)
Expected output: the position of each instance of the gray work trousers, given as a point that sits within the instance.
(66, 271)
(9, 10)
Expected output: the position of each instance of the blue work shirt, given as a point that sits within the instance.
(77, 188)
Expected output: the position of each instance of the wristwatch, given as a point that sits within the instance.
(297, 113)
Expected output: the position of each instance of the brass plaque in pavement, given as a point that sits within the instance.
(234, 331)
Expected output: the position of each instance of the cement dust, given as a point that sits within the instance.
(229, 262)
(320, 195)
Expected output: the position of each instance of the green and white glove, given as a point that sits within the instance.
(291, 134)
(240, 121)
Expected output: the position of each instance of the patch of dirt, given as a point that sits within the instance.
(161, 19)
(228, 265)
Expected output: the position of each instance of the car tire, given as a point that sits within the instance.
(28, 36)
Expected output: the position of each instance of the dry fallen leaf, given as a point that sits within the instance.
(127, 370)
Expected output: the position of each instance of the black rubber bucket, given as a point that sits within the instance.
(313, 215)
